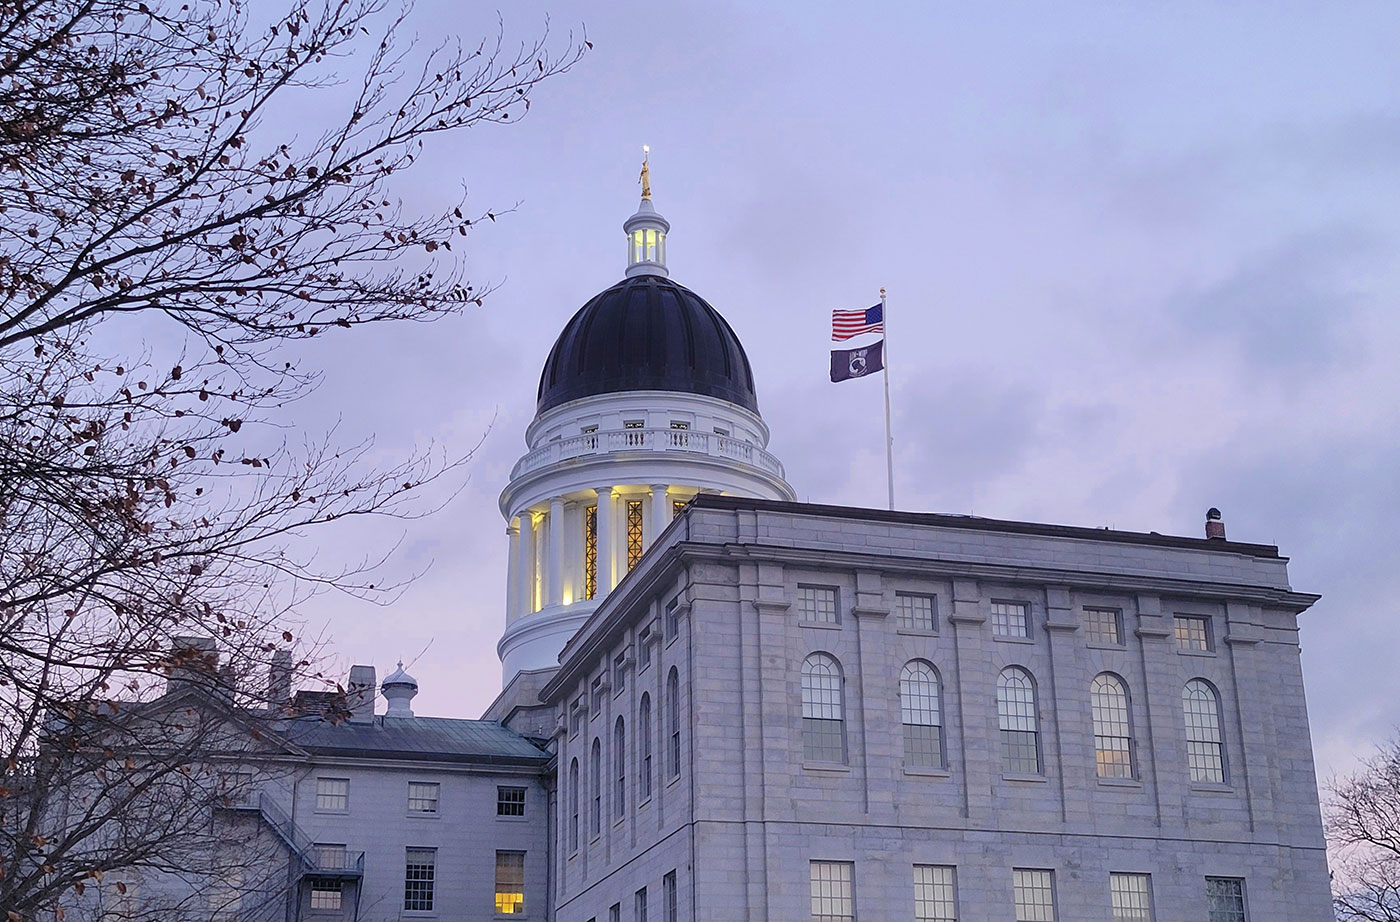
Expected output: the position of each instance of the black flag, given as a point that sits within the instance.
(857, 363)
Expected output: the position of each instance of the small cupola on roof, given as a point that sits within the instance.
(646, 231)
(399, 688)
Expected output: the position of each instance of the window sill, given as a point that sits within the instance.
(1129, 783)
(1210, 787)
(1105, 645)
(1182, 652)
(644, 803)
(835, 767)
(419, 815)
(917, 631)
(1024, 777)
(672, 780)
(597, 837)
(344, 812)
(820, 625)
(617, 694)
(511, 819)
(1003, 638)
(927, 771)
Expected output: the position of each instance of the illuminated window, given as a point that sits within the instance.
(817, 603)
(918, 704)
(1205, 749)
(510, 801)
(1035, 895)
(914, 612)
(1193, 633)
(634, 532)
(679, 424)
(1132, 897)
(644, 740)
(333, 794)
(934, 897)
(1103, 625)
(673, 714)
(1011, 619)
(1020, 741)
(823, 727)
(1113, 741)
(590, 552)
(420, 872)
(634, 424)
(510, 883)
(619, 769)
(1225, 899)
(833, 891)
(325, 895)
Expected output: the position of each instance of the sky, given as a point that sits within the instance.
(1140, 262)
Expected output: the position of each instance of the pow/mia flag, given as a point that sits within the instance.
(857, 363)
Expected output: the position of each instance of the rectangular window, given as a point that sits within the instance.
(934, 897)
(615, 913)
(639, 905)
(644, 648)
(914, 612)
(1011, 619)
(634, 424)
(1132, 897)
(833, 891)
(723, 432)
(576, 715)
(422, 797)
(680, 425)
(420, 869)
(619, 672)
(817, 603)
(673, 621)
(634, 532)
(510, 801)
(328, 856)
(1193, 633)
(333, 794)
(236, 789)
(1103, 625)
(668, 897)
(590, 552)
(510, 883)
(597, 694)
(325, 895)
(1035, 895)
(1225, 899)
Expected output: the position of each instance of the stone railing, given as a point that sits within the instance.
(617, 440)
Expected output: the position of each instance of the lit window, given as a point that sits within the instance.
(333, 794)
(914, 612)
(668, 897)
(1020, 744)
(639, 905)
(1035, 895)
(590, 552)
(1193, 633)
(325, 895)
(1225, 898)
(673, 714)
(595, 777)
(817, 603)
(510, 801)
(619, 769)
(573, 805)
(420, 870)
(1103, 625)
(619, 672)
(634, 532)
(329, 857)
(679, 425)
(633, 424)
(510, 883)
(422, 798)
(934, 897)
(823, 728)
(644, 739)
(1132, 897)
(1011, 619)
(833, 892)
(1205, 749)
(1113, 741)
(918, 705)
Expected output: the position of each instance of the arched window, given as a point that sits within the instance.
(619, 768)
(1113, 736)
(573, 805)
(1205, 747)
(595, 825)
(673, 714)
(644, 740)
(1020, 740)
(823, 729)
(918, 706)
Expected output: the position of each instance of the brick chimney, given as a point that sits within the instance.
(359, 693)
(1215, 525)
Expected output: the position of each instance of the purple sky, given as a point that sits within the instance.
(1139, 261)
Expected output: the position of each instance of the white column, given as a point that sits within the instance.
(556, 551)
(605, 541)
(512, 572)
(524, 565)
(660, 512)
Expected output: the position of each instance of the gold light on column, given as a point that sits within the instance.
(590, 552)
(634, 532)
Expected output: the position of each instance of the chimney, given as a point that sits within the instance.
(279, 679)
(194, 663)
(1215, 525)
(359, 693)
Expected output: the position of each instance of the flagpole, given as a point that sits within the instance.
(889, 437)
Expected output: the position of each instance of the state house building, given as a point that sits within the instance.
(721, 704)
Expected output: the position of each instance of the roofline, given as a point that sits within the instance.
(396, 755)
(972, 522)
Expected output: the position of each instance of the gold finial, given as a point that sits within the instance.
(645, 178)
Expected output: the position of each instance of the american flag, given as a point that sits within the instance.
(845, 324)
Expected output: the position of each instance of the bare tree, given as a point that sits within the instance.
(145, 193)
(1363, 830)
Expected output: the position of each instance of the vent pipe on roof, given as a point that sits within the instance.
(1215, 525)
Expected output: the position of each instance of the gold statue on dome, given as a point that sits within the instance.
(645, 178)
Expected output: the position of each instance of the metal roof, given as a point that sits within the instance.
(442, 738)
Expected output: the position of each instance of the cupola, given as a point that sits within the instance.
(399, 688)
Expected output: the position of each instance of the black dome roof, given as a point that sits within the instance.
(647, 333)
